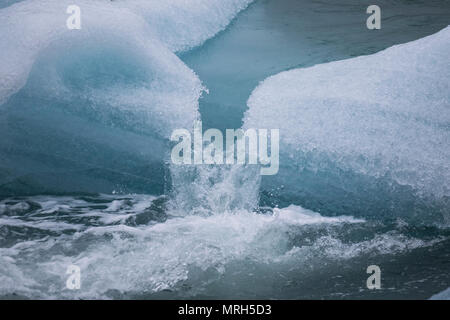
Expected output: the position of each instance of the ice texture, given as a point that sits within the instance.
(370, 133)
(92, 109)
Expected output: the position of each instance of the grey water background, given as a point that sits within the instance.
(269, 37)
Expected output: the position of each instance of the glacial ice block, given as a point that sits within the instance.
(92, 109)
(367, 135)
(444, 295)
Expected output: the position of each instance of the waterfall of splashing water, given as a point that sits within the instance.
(213, 189)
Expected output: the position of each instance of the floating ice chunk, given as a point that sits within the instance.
(33, 26)
(98, 102)
(384, 117)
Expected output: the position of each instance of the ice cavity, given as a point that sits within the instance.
(376, 124)
(104, 98)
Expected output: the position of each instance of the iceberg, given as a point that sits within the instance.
(367, 135)
(91, 110)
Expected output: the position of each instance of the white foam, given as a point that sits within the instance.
(386, 114)
(150, 258)
(44, 225)
(156, 257)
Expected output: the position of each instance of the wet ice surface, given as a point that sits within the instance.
(93, 110)
(370, 131)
